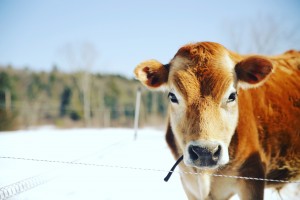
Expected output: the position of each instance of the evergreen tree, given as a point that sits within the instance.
(7, 95)
(65, 101)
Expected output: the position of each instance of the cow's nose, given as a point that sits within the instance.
(207, 155)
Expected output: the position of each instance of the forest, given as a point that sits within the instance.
(79, 99)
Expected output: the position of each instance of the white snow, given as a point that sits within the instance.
(113, 147)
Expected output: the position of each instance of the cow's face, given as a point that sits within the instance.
(203, 110)
(202, 82)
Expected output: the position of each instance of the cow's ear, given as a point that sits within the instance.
(253, 71)
(152, 74)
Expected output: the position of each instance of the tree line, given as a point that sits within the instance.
(79, 99)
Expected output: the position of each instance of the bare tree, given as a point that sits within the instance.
(82, 60)
(263, 35)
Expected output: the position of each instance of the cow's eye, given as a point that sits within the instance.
(232, 97)
(172, 97)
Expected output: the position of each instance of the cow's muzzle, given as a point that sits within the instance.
(204, 154)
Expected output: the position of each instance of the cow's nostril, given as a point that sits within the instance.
(192, 152)
(197, 152)
(216, 153)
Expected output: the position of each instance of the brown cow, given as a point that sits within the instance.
(230, 114)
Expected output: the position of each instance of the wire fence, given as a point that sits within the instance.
(32, 182)
(145, 169)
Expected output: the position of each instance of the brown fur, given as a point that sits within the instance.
(266, 140)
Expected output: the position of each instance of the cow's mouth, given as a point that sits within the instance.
(203, 155)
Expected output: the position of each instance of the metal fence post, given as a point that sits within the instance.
(137, 111)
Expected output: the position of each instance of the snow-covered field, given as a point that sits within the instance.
(109, 157)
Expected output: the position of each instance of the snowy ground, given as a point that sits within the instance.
(110, 147)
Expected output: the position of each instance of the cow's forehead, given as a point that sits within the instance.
(196, 75)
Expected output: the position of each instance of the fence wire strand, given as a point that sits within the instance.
(145, 169)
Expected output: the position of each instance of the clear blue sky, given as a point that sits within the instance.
(35, 33)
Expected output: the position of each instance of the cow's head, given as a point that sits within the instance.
(202, 81)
